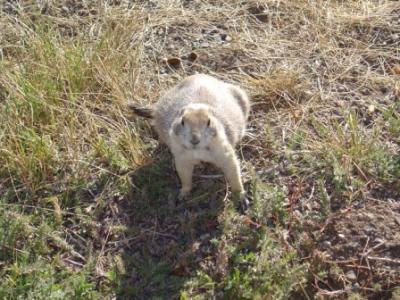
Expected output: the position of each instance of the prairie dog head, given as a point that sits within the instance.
(195, 127)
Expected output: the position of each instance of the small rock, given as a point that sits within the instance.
(204, 45)
(341, 236)
(394, 37)
(327, 244)
(204, 236)
(370, 216)
(356, 287)
(351, 275)
(371, 108)
(225, 37)
(368, 229)
(358, 205)
(353, 245)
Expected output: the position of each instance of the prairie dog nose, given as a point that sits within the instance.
(195, 140)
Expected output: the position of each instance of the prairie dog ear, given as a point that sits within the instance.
(182, 112)
(211, 125)
(177, 128)
(210, 112)
(213, 131)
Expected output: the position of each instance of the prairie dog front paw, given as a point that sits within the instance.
(241, 201)
(184, 193)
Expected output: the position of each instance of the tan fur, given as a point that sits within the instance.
(202, 119)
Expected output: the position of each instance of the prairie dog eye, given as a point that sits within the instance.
(208, 123)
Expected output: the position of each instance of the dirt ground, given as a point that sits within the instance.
(364, 244)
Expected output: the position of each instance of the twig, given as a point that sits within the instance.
(73, 262)
(373, 248)
(385, 259)
(209, 176)
(160, 233)
(366, 258)
(331, 293)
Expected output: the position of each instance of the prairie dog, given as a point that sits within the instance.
(201, 119)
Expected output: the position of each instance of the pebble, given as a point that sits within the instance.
(394, 37)
(351, 275)
(368, 229)
(358, 205)
(353, 245)
(205, 236)
(370, 216)
(371, 108)
(356, 287)
(327, 244)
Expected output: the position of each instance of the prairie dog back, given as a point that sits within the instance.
(228, 103)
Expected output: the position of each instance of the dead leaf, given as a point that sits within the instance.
(396, 70)
(174, 62)
(209, 224)
(181, 267)
(57, 209)
(249, 221)
(193, 56)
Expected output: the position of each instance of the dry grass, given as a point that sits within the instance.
(86, 208)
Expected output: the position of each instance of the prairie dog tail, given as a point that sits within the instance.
(144, 112)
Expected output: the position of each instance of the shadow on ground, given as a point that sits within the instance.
(167, 240)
